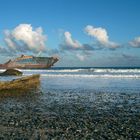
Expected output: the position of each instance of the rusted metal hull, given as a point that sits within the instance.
(30, 62)
(26, 66)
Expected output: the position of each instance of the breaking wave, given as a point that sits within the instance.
(89, 76)
(91, 70)
(82, 70)
(86, 72)
(92, 76)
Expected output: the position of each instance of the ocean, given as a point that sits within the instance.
(75, 103)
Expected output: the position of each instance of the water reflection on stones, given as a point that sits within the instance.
(70, 114)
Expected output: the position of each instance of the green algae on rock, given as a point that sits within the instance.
(20, 85)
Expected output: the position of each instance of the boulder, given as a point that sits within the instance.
(20, 85)
(11, 72)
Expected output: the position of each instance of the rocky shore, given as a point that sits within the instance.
(71, 115)
(19, 85)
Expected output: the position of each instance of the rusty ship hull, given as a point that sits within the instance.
(30, 62)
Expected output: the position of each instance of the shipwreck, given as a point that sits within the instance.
(30, 62)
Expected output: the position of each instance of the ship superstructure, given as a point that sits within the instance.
(30, 62)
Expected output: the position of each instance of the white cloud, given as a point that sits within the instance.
(10, 43)
(112, 45)
(101, 35)
(71, 42)
(80, 57)
(25, 38)
(135, 42)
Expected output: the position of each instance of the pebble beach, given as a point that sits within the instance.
(73, 108)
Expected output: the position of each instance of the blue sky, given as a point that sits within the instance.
(110, 28)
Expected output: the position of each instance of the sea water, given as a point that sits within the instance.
(75, 103)
(101, 79)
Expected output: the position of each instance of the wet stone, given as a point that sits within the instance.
(37, 117)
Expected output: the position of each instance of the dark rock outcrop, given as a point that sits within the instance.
(11, 72)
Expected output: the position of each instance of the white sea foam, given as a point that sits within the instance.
(88, 70)
(86, 73)
(118, 70)
(64, 70)
(110, 70)
(89, 76)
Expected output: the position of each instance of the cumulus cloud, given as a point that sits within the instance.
(24, 38)
(100, 34)
(135, 42)
(71, 44)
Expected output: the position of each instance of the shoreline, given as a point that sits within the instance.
(73, 108)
